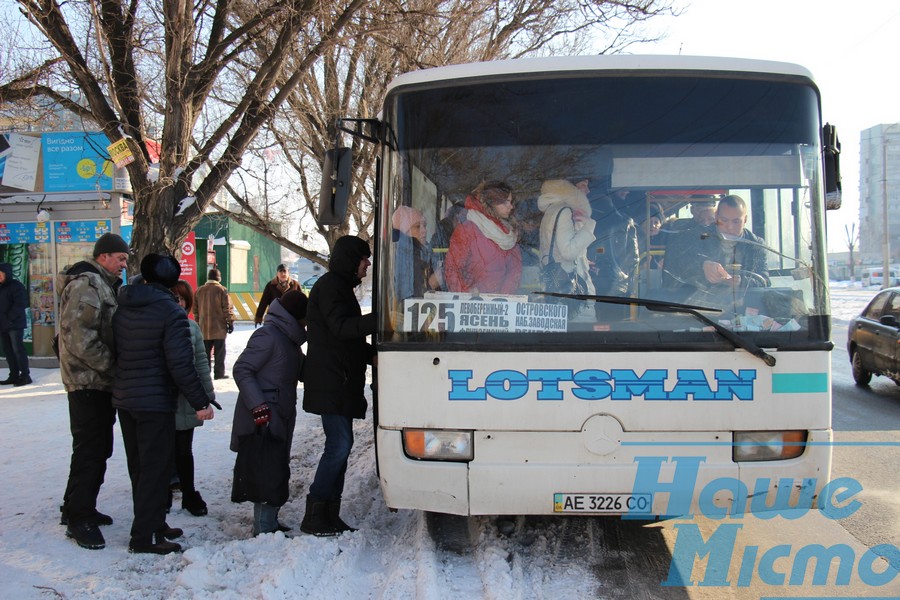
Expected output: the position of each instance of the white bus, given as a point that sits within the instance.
(520, 403)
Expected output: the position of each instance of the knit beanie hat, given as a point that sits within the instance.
(110, 243)
(294, 301)
(164, 270)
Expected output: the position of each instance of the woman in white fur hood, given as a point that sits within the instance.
(574, 231)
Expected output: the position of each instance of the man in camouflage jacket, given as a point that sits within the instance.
(87, 301)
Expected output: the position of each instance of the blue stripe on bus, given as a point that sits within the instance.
(799, 383)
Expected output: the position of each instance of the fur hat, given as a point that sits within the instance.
(214, 275)
(110, 243)
(164, 270)
(294, 301)
(556, 191)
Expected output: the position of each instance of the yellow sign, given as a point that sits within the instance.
(120, 153)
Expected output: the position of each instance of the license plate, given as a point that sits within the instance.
(602, 503)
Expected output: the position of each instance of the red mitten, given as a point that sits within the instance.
(261, 414)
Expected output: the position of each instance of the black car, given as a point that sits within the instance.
(873, 338)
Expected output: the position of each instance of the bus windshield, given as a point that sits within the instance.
(694, 188)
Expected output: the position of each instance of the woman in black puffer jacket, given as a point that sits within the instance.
(154, 360)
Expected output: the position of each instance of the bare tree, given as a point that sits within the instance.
(170, 69)
(204, 79)
(389, 37)
(852, 238)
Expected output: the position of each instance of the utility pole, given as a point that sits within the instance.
(886, 242)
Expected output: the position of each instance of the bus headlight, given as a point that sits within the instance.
(768, 445)
(438, 444)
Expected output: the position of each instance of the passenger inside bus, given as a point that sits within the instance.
(614, 253)
(703, 214)
(567, 230)
(718, 257)
(484, 255)
(413, 273)
(528, 223)
(651, 239)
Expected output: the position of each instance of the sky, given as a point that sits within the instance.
(851, 49)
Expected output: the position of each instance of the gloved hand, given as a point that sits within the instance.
(262, 414)
(229, 328)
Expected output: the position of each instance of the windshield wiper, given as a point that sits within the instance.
(674, 307)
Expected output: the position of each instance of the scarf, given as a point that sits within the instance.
(493, 230)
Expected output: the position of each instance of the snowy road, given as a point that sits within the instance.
(392, 556)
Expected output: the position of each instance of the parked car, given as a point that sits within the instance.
(307, 283)
(873, 339)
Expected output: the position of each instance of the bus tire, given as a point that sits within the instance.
(860, 375)
(453, 533)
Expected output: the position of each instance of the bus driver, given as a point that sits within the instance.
(720, 253)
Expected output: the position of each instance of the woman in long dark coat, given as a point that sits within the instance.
(267, 373)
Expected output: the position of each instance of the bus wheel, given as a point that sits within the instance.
(453, 533)
(860, 375)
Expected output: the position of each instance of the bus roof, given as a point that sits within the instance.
(602, 62)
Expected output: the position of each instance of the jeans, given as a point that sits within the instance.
(149, 439)
(265, 518)
(91, 420)
(328, 485)
(216, 348)
(13, 342)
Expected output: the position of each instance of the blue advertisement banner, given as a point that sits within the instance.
(80, 231)
(76, 161)
(24, 233)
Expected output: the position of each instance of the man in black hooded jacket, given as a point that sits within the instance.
(335, 376)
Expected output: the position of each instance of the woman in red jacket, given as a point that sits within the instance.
(484, 256)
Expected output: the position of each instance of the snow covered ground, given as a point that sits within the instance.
(390, 557)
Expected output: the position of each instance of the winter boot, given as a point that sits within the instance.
(86, 534)
(170, 533)
(158, 544)
(192, 502)
(333, 512)
(316, 521)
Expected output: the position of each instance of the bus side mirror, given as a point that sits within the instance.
(335, 193)
(831, 159)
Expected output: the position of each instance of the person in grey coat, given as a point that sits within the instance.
(267, 373)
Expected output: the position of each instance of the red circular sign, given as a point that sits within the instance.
(187, 249)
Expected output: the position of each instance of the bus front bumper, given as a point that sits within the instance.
(527, 473)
